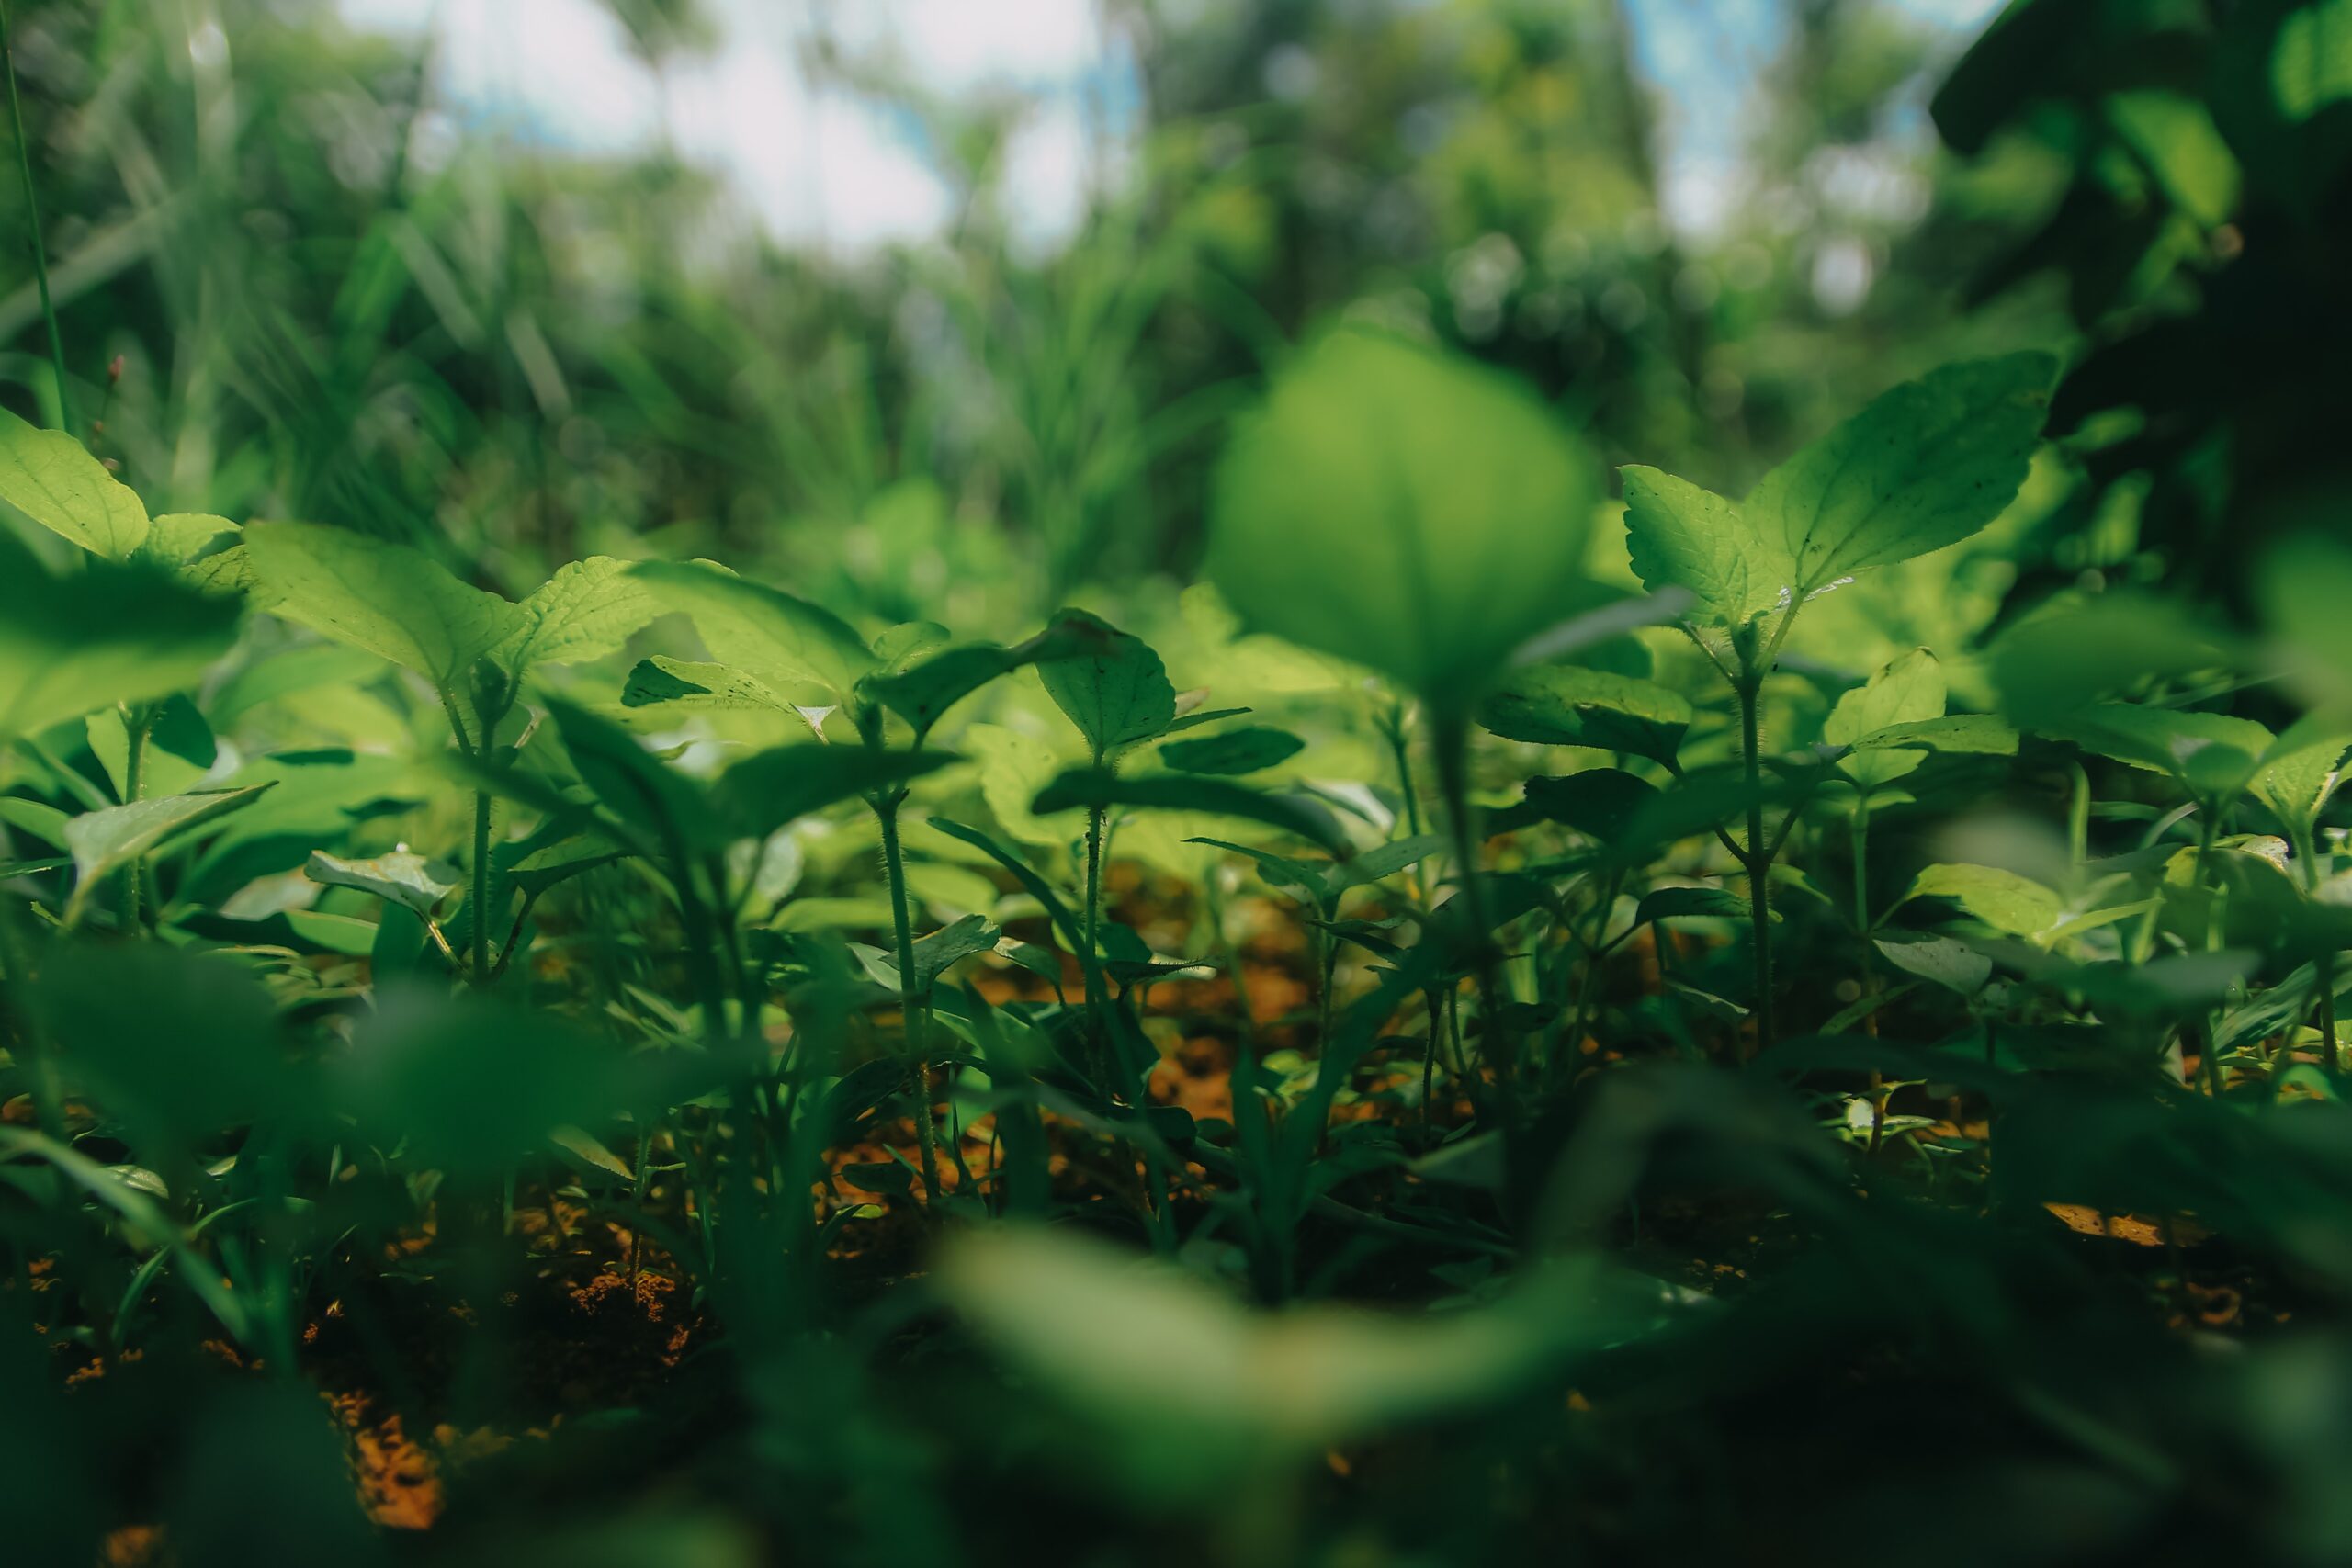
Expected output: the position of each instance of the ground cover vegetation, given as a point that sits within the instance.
(1710, 931)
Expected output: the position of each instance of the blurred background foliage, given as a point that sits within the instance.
(346, 290)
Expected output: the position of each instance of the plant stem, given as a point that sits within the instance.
(136, 723)
(1097, 1043)
(1451, 735)
(1758, 859)
(32, 224)
(913, 1002)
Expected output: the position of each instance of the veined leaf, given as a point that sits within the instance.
(585, 611)
(1924, 465)
(1100, 787)
(51, 479)
(1691, 904)
(923, 690)
(762, 631)
(403, 877)
(103, 841)
(1250, 749)
(1907, 691)
(943, 947)
(1113, 687)
(1567, 704)
(397, 604)
(1979, 734)
(1952, 964)
(2297, 776)
(1678, 536)
(2002, 899)
(660, 679)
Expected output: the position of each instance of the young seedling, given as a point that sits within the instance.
(1925, 466)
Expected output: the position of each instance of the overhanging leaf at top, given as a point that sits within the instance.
(106, 635)
(394, 601)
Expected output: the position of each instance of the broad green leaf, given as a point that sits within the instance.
(654, 805)
(43, 821)
(1977, 733)
(762, 792)
(585, 611)
(51, 479)
(1601, 802)
(564, 848)
(1691, 904)
(1954, 965)
(1250, 749)
(101, 635)
(1924, 465)
(589, 1150)
(1013, 766)
(396, 603)
(1907, 691)
(1411, 513)
(1678, 536)
(935, 953)
(1101, 788)
(924, 689)
(105, 840)
(1567, 704)
(2002, 899)
(2300, 772)
(1112, 686)
(714, 687)
(2212, 755)
(403, 876)
(201, 550)
(778, 640)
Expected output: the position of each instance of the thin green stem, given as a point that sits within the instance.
(1758, 861)
(1097, 1004)
(137, 722)
(32, 223)
(1451, 736)
(914, 1000)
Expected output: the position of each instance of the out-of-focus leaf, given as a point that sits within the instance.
(1099, 787)
(102, 635)
(1413, 513)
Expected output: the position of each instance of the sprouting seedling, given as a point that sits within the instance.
(775, 650)
(1417, 515)
(473, 647)
(1924, 465)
